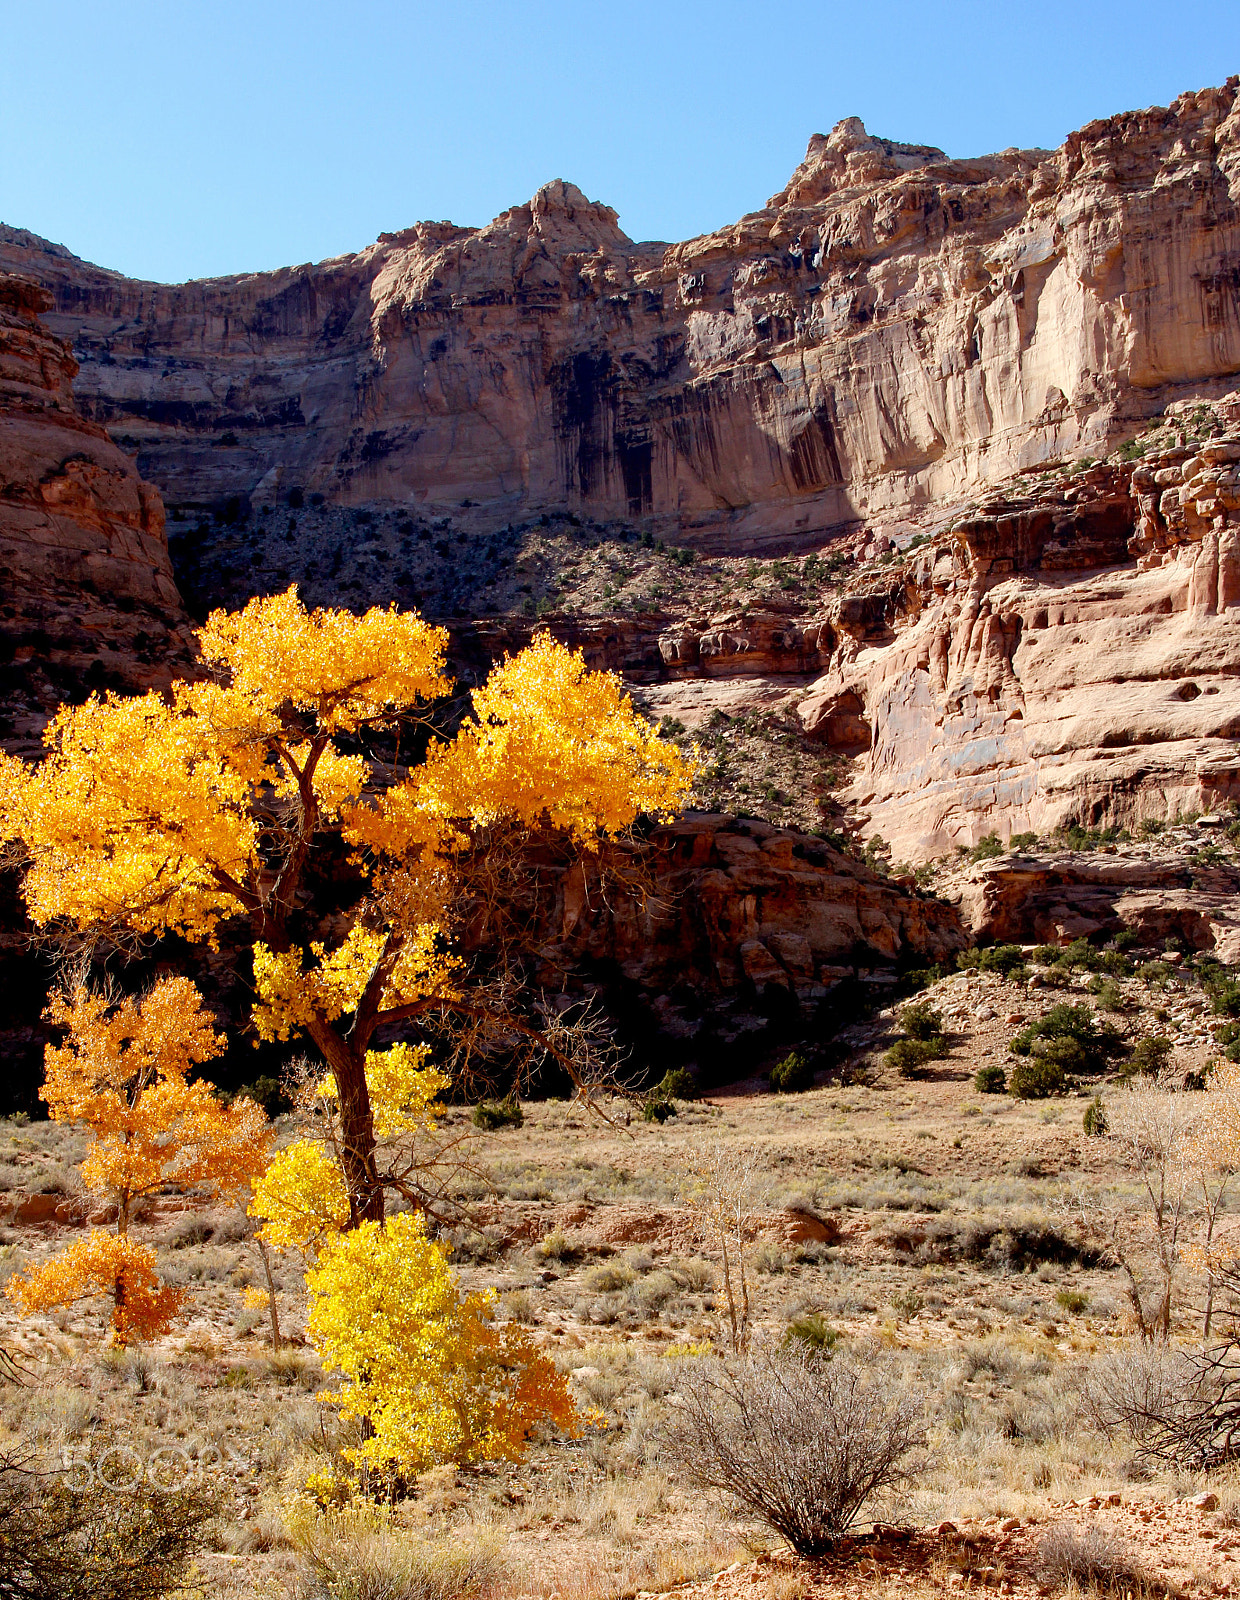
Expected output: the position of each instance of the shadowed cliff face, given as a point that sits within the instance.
(87, 596)
(893, 328)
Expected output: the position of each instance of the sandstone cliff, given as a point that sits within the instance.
(1068, 652)
(87, 596)
(891, 329)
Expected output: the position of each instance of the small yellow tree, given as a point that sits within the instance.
(122, 1072)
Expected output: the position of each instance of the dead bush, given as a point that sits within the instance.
(1089, 1557)
(801, 1439)
(56, 1544)
(1181, 1407)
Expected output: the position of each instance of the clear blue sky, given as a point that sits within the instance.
(181, 139)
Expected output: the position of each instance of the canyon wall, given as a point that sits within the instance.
(87, 595)
(891, 330)
(1067, 652)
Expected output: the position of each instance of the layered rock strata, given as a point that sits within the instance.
(1069, 652)
(893, 328)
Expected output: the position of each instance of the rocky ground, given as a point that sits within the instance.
(920, 1218)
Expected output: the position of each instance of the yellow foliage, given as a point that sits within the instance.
(122, 1072)
(142, 813)
(291, 994)
(301, 1197)
(423, 1367)
(556, 740)
(347, 670)
(554, 743)
(404, 1089)
(103, 1263)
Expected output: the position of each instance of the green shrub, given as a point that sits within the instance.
(922, 1021)
(657, 1109)
(1228, 1036)
(491, 1115)
(813, 1330)
(1080, 956)
(1071, 1036)
(990, 1080)
(1108, 994)
(1073, 1301)
(1224, 992)
(791, 1074)
(1149, 1057)
(1006, 959)
(1094, 1121)
(1046, 955)
(677, 1083)
(986, 848)
(909, 1057)
(1023, 841)
(1037, 1079)
(267, 1092)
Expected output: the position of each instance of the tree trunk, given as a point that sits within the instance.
(357, 1127)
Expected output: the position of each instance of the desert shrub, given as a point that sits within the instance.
(359, 1553)
(1090, 1557)
(518, 1306)
(800, 1441)
(1037, 1079)
(910, 1057)
(491, 1115)
(922, 1021)
(1023, 841)
(559, 1246)
(1081, 956)
(768, 1258)
(1178, 1407)
(1228, 1036)
(1006, 959)
(1224, 992)
(792, 1074)
(657, 1108)
(267, 1092)
(1149, 1056)
(814, 1331)
(676, 1084)
(1010, 1242)
(1095, 1121)
(1071, 1037)
(990, 1080)
(56, 1544)
(1109, 995)
(1072, 1301)
(986, 848)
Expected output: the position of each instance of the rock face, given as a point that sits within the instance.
(892, 329)
(87, 596)
(1156, 892)
(739, 904)
(1069, 652)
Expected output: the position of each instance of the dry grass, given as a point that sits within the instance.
(944, 1236)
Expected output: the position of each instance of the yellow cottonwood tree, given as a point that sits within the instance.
(122, 1071)
(176, 814)
(213, 805)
